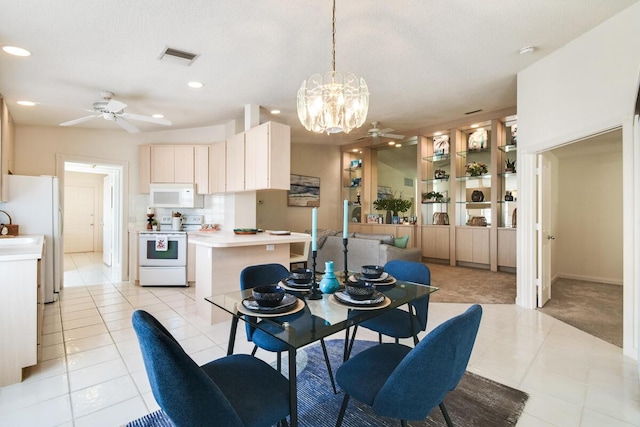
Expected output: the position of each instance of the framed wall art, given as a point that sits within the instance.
(305, 191)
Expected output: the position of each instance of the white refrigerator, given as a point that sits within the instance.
(34, 204)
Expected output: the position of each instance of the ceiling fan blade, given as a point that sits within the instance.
(147, 119)
(126, 125)
(386, 130)
(392, 135)
(80, 120)
(115, 106)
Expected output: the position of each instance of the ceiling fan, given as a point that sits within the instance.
(111, 109)
(376, 133)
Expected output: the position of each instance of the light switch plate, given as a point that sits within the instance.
(166, 219)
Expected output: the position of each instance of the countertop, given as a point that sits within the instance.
(227, 239)
(24, 246)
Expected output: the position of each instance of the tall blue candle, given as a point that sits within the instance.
(314, 229)
(345, 222)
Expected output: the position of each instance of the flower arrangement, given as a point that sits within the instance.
(476, 168)
(392, 204)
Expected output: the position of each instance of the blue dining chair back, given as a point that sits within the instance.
(398, 323)
(269, 274)
(407, 383)
(189, 394)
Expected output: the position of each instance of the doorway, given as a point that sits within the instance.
(112, 177)
(581, 210)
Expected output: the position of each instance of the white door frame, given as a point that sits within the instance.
(121, 208)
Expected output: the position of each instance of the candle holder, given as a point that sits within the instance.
(345, 242)
(150, 221)
(315, 292)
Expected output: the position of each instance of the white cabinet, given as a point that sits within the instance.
(217, 167)
(268, 157)
(507, 247)
(259, 159)
(435, 242)
(472, 245)
(173, 164)
(201, 169)
(235, 163)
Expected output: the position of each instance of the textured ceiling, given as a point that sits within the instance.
(425, 61)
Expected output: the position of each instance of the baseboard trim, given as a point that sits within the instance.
(589, 279)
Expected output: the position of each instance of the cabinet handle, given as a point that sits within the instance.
(550, 237)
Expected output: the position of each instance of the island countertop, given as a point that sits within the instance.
(24, 246)
(227, 239)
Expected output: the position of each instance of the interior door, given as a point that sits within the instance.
(544, 236)
(107, 220)
(79, 206)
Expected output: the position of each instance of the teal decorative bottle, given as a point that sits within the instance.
(329, 283)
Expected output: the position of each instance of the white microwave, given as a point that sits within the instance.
(174, 196)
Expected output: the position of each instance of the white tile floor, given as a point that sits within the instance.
(91, 372)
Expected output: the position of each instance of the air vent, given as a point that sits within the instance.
(473, 112)
(178, 56)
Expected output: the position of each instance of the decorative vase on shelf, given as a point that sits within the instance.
(329, 283)
(387, 219)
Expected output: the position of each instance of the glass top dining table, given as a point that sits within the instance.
(310, 320)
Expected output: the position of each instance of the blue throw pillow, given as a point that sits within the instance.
(401, 242)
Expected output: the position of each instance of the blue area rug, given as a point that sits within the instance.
(477, 401)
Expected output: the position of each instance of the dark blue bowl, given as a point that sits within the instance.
(360, 290)
(372, 271)
(268, 296)
(301, 275)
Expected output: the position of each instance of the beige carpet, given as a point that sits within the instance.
(472, 285)
(595, 308)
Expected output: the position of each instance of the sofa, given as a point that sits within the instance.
(363, 249)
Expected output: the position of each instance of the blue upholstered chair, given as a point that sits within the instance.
(268, 274)
(400, 323)
(238, 390)
(407, 383)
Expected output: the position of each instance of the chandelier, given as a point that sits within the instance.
(337, 103)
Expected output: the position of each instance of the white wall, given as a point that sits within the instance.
(588, 86)
(589, 231)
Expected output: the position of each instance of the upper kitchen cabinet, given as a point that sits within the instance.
(235, 163)
(172, 163)
(183, 164)
(218, 167)
(259, 159)
(268, 157)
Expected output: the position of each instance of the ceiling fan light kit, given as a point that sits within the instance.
(113, 110)
(337, 103)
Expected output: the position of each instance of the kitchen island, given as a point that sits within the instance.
(21, 306)
(222, 255)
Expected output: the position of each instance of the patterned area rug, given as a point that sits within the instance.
(477, 401)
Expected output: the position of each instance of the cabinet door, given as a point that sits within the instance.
(217, 167)
(279, 160)
(256, 156)
(403, 230)
(507, 247)
(183, 164)
(472, 245)
(162, 163)
(481, 252)
(235, 163)
(435, 242)
(144, 168)
(201, 169)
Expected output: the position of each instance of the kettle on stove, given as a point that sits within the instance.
(176, 222)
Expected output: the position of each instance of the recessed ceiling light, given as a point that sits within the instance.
(158, 116)
(398, 145)
(437, 134)
(195, 85)
(474, 126)
(275, 111)
(355, 150)
(480, 129)
(17, 51)
(26, 103)
(391, 143)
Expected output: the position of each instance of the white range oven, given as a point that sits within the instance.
(163, 258)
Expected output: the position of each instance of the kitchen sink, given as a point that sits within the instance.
(17, 241)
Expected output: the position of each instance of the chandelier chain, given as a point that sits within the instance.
(333, 46)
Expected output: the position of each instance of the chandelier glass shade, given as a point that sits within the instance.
(337, 103)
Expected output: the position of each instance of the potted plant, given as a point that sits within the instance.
(476, 168)
(433, 196)
(392, 204)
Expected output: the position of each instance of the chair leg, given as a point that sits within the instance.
(343, 408)
(379, 338)
(326, 359)
(279, 362)
(255, 348)
(403, 423)
(445, 414)
(284, 423)
(350, 347)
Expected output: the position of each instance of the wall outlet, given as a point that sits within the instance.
(165, 219)
(271, 247)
